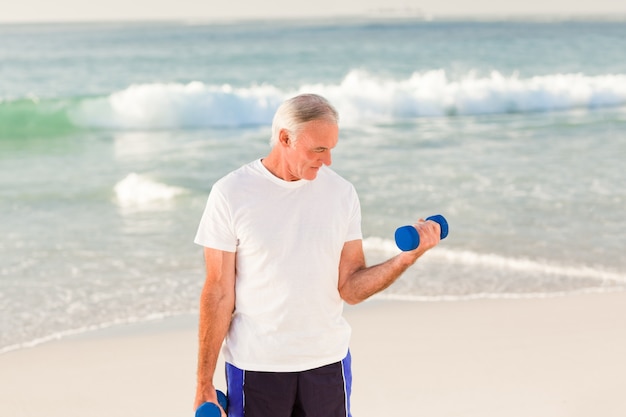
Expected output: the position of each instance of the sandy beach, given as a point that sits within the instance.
(552, 357)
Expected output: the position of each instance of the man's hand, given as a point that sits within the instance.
(430, 235)
(207, 395)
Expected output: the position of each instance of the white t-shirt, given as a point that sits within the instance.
(288, 237)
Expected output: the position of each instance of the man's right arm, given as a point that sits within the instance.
(217, 304)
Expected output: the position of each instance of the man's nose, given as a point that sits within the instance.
(327, 159)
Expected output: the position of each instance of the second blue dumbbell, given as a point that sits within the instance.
(408, 239)
(211, 409)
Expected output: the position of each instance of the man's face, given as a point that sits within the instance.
(306, 156)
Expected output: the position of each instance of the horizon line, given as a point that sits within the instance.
(416, 16)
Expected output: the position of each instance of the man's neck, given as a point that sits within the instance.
(276, 167)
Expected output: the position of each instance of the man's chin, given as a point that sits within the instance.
(312, 174)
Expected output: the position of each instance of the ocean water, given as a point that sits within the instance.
(111, 136)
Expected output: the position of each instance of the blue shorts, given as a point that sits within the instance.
(323, 392)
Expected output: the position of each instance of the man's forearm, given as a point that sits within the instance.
(368, 281)
(358, 282)
(216, 310)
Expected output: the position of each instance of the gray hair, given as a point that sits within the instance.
(296, 111)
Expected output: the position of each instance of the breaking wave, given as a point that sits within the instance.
(359, 97)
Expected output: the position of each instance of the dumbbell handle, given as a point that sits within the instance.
(408, 239)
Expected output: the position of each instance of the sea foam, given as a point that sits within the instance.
(156, 316)
(171, 106)
(137, 191)
(489, 261)
(359, 97)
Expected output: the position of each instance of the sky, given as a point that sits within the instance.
(106, 10)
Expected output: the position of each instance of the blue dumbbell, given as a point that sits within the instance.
(212, 410)
(408, 239)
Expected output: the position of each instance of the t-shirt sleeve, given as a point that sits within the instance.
(216, 227)
(354, 225)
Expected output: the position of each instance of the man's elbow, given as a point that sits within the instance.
(349, 296)
(215, 294)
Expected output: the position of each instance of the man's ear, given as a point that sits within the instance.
(283, 137)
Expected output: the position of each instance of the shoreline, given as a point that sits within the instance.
(118, 324)
(558, 356)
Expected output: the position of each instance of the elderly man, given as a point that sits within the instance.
(283, 251)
